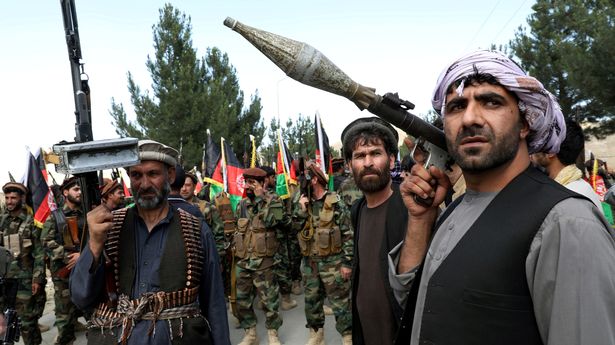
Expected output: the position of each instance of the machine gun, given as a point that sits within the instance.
(85, 157)
(309, 66)
(8, 287)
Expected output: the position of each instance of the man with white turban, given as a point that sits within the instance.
(518, 259)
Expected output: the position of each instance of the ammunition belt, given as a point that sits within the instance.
(152, 306)
(191, 234)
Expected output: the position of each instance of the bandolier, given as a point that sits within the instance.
(177, 300)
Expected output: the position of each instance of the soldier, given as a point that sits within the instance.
(349, 192)
(261, 222)
(112, 194)
(62, 239)
(187, 191)
(326, 243)
(22, 238)
(284, 268)
(339, 173)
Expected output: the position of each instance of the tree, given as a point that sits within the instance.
(189, 95)
(570, 47)
(298, 134)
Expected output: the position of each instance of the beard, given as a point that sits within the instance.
(371, 184)
(74, 200)
(152, 202)
(478, 159)
(14, 207)
(250, 194)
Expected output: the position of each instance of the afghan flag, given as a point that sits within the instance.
(228, 175)
(212, 167)
(285, 172)
(43, 202)
(323, 154)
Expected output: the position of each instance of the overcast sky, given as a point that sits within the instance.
(393, 46)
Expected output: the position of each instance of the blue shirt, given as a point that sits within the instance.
(87, 282)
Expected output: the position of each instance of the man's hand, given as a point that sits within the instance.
(100, 221)
(432, 183)
(72, 260)
(346, 272)
(36, 288)
(303, 201)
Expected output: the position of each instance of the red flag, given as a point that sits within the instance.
(42, 198)
(323, 153)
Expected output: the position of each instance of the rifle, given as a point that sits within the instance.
(71, 243)
(309, 66)
(8, 290)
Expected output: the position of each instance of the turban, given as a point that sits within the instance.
(540, 108)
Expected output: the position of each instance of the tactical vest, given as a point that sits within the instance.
(252, 239)
(179, 283)
(18, 238)
(326, 239)
(223, 204)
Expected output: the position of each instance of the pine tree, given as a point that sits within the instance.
(189, 95)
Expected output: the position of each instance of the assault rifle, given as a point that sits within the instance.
(8, 288)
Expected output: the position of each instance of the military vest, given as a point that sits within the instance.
(326, 238)
(252, 239)
(18, 237)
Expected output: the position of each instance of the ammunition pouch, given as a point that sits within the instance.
(327, 238)
(250, 242)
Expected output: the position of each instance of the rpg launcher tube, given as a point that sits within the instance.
(309, 66)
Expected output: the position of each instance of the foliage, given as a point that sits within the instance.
(189, 95)
(569, 47)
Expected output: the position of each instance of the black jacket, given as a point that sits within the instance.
(395, 223)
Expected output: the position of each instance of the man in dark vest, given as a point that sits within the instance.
(158, 281)
(519, 259)
(378, 219)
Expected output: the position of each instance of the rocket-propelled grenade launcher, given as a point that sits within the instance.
(309, 66)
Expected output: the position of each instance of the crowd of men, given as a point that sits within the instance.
(508, 244)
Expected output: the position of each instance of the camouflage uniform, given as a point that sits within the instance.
(349, 192)
(256, 271)
(216, 224)
(65, 311)
(283, 270)
(327, 247)
(27, 267)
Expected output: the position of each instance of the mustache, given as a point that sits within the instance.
(148, 190)
(368, 171)
(473, 131)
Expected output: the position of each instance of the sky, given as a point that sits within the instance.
(393, 46)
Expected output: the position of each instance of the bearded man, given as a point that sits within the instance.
(158, 281)
(378, 220)
(518, 259)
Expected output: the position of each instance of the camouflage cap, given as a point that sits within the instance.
(15, 185)
(150, 150)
